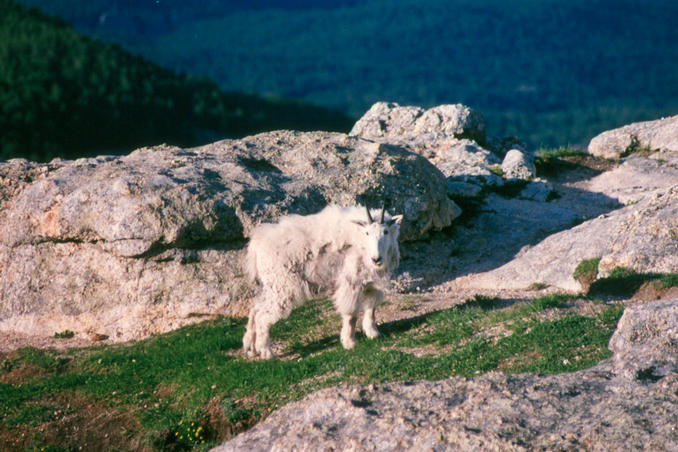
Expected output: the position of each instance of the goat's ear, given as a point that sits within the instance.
(360, 222)
(396, 219)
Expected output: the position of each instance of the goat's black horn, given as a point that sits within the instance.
(369, 217)
(383, 209)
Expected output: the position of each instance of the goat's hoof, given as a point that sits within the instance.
(348, 344)
(266, 353)
(372, 333)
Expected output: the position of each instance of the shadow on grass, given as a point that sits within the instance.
(625, 283)
(314, 347)
(397, 328)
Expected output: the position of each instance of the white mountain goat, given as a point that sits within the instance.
(342, 250)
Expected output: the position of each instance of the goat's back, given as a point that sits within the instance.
(295, 239)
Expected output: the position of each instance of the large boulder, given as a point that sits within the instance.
(518, 165)
(602, 408)
(128, 246)
(659, 134)
(386, 120)
(645, 343)
(447, 135)
(647, 239)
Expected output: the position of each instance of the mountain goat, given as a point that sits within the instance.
(340, 249)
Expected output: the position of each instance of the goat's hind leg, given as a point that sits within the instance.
(250, 334)
(264, 320)
(273, 308)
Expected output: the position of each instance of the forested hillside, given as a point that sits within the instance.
(552, 72)
(62, 94)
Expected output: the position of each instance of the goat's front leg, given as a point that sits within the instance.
(370, 324)
(369, 321)
(348, 330)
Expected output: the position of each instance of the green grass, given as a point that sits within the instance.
(194, 385)
(587, 267)
(549, 162)
(635, 147)
(624, 282)
(545, 155)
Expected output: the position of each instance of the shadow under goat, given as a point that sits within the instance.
(350, 252)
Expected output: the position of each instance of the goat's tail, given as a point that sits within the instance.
(251, 263)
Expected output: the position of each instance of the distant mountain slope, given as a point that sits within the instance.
(549, 71)
(62, 94)
(131, 20)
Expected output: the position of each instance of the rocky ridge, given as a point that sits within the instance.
(130, 246)
(139, 244)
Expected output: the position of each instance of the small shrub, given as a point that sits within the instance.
(496, 170)
(636, 148)
(538, 286)
(66, 334)
(647, 375)
(621, 282)
(184, 436)
(586, 272)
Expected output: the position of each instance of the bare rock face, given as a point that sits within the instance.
(647, 239)
(129, 246)
(608, 407)
(645, 343)
(639, 232)
(638, 177)
(461, 160)
(553, 260)
(660, 134)
(641, 237)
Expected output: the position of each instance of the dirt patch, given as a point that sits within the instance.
(651, 291)
(574, 168)
(591, 162)
(420, 351)
(77, 424)
(11, 340)
(21, 374)
(518, 360)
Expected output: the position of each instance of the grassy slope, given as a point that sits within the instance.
(550, 72)
(191, 389)
(177, 390)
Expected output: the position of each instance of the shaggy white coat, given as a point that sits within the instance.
(338, 250)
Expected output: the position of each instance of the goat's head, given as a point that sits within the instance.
(380, 237)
